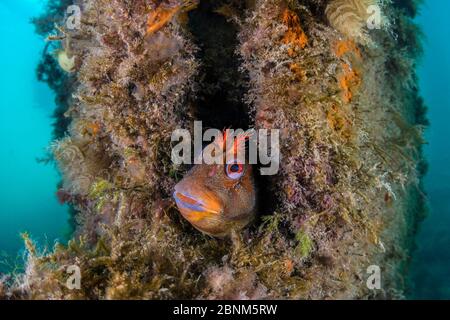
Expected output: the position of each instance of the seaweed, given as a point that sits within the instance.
(348, 193)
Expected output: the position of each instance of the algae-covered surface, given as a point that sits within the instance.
(348, 194)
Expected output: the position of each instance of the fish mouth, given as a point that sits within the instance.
(188, 202)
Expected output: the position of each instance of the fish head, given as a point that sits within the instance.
(217, 198)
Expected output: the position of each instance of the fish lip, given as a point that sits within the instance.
(194, 206)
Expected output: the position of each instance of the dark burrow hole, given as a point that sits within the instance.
(219, 101)
(222, 86)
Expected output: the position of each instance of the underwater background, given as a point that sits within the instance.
(430, 270)
(28, 187)
(28, 201)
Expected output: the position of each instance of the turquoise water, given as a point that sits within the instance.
(431, 265)
(27, 188)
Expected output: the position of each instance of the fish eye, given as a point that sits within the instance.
(234, 170)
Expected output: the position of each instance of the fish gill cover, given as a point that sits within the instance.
(348, 194)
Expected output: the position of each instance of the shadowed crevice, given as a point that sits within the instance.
(222, 86)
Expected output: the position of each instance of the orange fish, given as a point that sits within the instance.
(218, 198)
